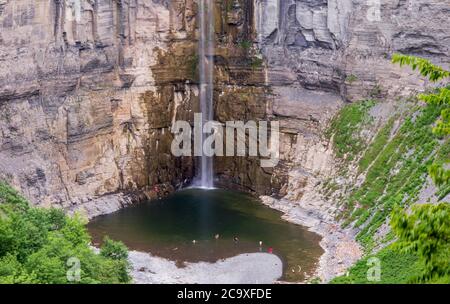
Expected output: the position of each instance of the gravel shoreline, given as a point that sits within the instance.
(340, 246)
(341, 249)
(252, 268)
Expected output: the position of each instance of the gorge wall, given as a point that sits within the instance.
(81, 112)
(89, 89)
(319, 55)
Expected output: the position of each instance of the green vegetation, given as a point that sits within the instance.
(396, 268)
(425, 67)
(376, 146)
(440, 98)
(256, 63)
(426, 232)
(421, 254)
(345, 129)
(442, 158)
(45, 246)
(192, 66)
(351, 78)
(376, 91)
(394, 163)
(393, 168)
(396, 173)
(245, 44)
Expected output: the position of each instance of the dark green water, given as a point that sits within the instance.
(168, 227)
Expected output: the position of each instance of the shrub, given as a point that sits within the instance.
(37, 244)
(114, 250)
(425, 232)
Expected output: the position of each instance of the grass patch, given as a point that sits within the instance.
(345, 129)
(396, 170)
(376, 146)
(351, 78)
(396, 268)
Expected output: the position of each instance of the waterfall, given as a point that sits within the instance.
(206, 65)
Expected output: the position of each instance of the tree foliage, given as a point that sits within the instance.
(114, 250)
(441, 97)
(37, 244)
(425, 67)
(426, 232)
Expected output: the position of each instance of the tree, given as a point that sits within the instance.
(426, 231)
(425, 67)
(117, 252)
(113, 249)
(37, 244)
(440, 97)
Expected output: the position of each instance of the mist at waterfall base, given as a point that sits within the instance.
(168, 227)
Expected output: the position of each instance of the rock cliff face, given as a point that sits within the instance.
(321, 42)
(89, 89)
(322, 53)
(77, 117)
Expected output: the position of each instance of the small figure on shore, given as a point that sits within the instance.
(236, 239)
(270, 250)
(194, 242)
(260, 243)
(217, 236)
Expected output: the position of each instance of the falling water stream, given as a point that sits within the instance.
(210, 224)
(205, 177)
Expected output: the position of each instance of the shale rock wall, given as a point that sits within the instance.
(320, 54)
(89, 89)
(80, 109)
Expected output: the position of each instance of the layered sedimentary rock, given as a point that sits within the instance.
(320, 54)
(324, 42)
(89, 89)
(81, 112)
